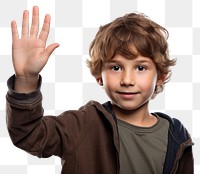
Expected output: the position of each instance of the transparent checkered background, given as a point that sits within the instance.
(67, 83)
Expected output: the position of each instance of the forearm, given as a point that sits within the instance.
(28, 128)
(24, 113)
(21, 107)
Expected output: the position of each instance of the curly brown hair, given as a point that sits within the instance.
(116, 37)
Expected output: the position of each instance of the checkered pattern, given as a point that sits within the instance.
(67, 83)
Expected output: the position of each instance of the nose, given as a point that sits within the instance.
(127, 79)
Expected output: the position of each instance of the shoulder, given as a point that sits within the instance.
(174, 122)
(93, 106)
(176, 128)
(91, 109)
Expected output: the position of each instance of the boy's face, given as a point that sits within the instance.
(129, 83)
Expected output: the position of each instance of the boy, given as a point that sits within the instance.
(129, 58)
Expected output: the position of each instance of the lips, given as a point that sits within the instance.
(128, 95)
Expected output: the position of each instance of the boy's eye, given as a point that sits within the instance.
(116, 68)
(141, 68)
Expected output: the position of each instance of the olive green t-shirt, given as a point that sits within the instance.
(143, 149)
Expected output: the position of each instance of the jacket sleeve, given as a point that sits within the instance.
(40, 135)
(186, 165)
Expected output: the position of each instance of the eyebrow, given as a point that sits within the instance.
(142, 60)
(113, 61)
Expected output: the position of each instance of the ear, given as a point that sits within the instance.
(161, 79)
(99, 81)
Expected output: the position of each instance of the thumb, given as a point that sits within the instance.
(50, 49)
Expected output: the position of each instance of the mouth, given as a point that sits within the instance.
(128, 95)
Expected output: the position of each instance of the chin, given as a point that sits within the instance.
(125, 107)
(130, 106)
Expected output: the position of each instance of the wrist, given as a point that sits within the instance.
(25, 84)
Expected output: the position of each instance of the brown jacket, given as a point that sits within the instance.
(86, 139)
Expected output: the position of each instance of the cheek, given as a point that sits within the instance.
(148, 84)
(108, 81)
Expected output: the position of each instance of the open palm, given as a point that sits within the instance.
(29, 53)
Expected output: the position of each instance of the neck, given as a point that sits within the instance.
(138, 117)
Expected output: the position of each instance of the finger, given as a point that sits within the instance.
(35, 22)
(45, 28)
(50, 49)
(15, 34)
(25, 24)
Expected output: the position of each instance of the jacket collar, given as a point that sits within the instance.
(106, 110)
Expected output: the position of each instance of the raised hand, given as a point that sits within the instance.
(29, 53)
